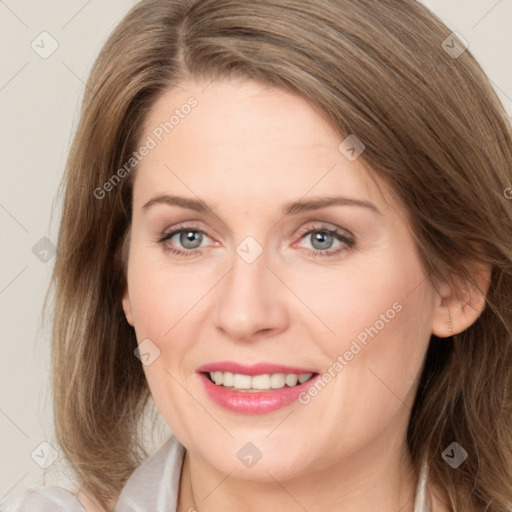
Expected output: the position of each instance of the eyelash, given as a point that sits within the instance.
(347, 240)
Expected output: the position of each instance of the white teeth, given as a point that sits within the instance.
(241, 381)
(304, 377)
(277, 380)
(291, 379)
(228, 379)
(258, 382)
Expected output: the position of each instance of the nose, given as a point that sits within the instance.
(251, 301)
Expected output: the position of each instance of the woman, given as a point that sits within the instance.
(287, 224)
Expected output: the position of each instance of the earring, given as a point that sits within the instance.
(450, 330)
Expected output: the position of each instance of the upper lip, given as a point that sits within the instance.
(253, 369)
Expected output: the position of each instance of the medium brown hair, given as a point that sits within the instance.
(434, 130)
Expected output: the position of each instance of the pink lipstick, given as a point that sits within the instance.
(254, 389)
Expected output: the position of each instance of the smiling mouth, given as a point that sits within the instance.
(257, 383)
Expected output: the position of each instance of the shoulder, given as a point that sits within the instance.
(155, 480)
(46, 498)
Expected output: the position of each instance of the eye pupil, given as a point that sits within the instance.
(188, 239)
(324, 239)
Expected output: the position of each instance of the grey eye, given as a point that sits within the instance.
(321, 240)
(190, 239)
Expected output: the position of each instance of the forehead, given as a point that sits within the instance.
(244, 140)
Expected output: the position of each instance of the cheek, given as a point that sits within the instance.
(374, 360)
(162, 303)
(379, 319)
(161, 296)
(384, 297)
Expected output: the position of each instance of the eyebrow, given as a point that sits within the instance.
(292, 208)
(308, 205)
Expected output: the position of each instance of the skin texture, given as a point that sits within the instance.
(247, 149)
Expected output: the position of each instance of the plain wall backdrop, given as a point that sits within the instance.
(48, 50)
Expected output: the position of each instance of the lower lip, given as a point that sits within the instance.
(258, 402)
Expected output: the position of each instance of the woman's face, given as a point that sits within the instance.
(298, 265)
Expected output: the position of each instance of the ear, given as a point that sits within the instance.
(127, 307)
(458, 305)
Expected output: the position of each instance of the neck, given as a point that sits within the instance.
(379, 479)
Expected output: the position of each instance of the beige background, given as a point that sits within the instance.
(39, 100)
